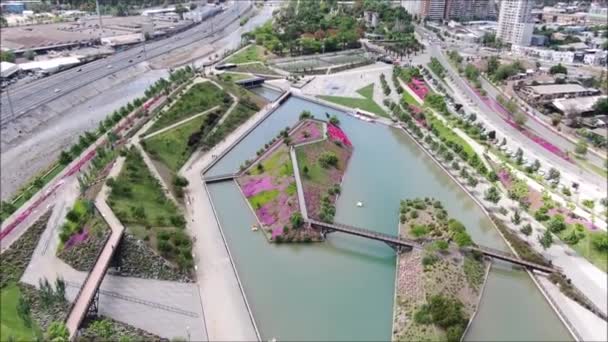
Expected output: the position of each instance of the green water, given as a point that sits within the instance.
(267, 93)
(342, 289)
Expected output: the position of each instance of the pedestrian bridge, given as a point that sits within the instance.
(400, 244)
(220, 178)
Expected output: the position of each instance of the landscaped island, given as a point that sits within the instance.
(437, 288)
(322, 165)
(270, 186)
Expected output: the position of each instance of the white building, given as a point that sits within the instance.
(125, 39)
(515, 23)
(597, 14)
(413, 7)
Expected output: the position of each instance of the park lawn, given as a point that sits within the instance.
(255, 68)
(146, 192)
(591, 167)
(366, 104)
(197, 99)
(584, 248)
(171, 147)
(262, 198)
(11, 325)
(449, 134)
(409, 99)
(233, 76)
(253, 53)
(367, 91)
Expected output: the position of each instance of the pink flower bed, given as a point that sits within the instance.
(571, 218)
(505, 177)
(76, 239)
(255, 186)
(419, 88)
(336, 134)
(506, 115)
(311, 128)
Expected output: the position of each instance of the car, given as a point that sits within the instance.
(57, 90)
(79, 70)
(138, 56)
(130, 61)
(109, 66)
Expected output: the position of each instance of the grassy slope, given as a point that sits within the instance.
(449, 134)
(197, 99)
(11, 325)
(146, 192)
(171, 147)
(253, 53)
(586, 250)
(367, 103)
(409, 99)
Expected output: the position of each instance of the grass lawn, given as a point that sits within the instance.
(232, 76)
(449, 134)
(172, 147)
(11, 325)
(255, 68)
(197, 99)
(253, 53)
(409, 99)
(585, 249)
(366, 103)
(367, 91)
(139, 202)
(591, 167)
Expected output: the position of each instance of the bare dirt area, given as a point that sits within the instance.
(34, 141)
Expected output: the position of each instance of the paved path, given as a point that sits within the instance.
(141, 303)
(299, 187)
(179, 123)
(93, 280)
(227, 316)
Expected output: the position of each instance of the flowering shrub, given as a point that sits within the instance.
(419, 88)
(255, 186)
(336, 134)
(76, 239)
(309, 131)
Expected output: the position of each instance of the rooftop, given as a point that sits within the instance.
(559, 88)
(582, 104)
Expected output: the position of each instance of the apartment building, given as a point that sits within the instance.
(515, 24)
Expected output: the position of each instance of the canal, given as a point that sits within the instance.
(342, 289)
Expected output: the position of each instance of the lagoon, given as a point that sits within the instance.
(342, 289)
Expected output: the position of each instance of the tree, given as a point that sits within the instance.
(601, 106)
(334, 120)
(29, 54)
(306, 114)
(305, 170)
(520, 118)
(60, 289)
(57, 332)
(516, 219)
(7, 56)
(102, 329)
(180, 10)
(599, 240)
(581, 148)
(328, 159)
(553, 174)
(526, 229)
(558, 69)
(546, 240)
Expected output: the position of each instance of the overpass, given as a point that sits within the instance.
(400, 244)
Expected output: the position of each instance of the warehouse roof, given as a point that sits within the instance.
(548, 89)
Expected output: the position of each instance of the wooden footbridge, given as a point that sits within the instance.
(400, 244)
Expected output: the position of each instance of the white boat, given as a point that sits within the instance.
(359, 204)
(254, 228)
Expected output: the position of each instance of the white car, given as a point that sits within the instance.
(57, 90)
(110, 66)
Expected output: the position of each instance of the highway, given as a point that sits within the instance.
(542, 130)
(533, 149)
(29, 96)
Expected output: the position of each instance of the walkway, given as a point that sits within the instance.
(397, 243)
(179, 123)
(299, 186)
(91, 284)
